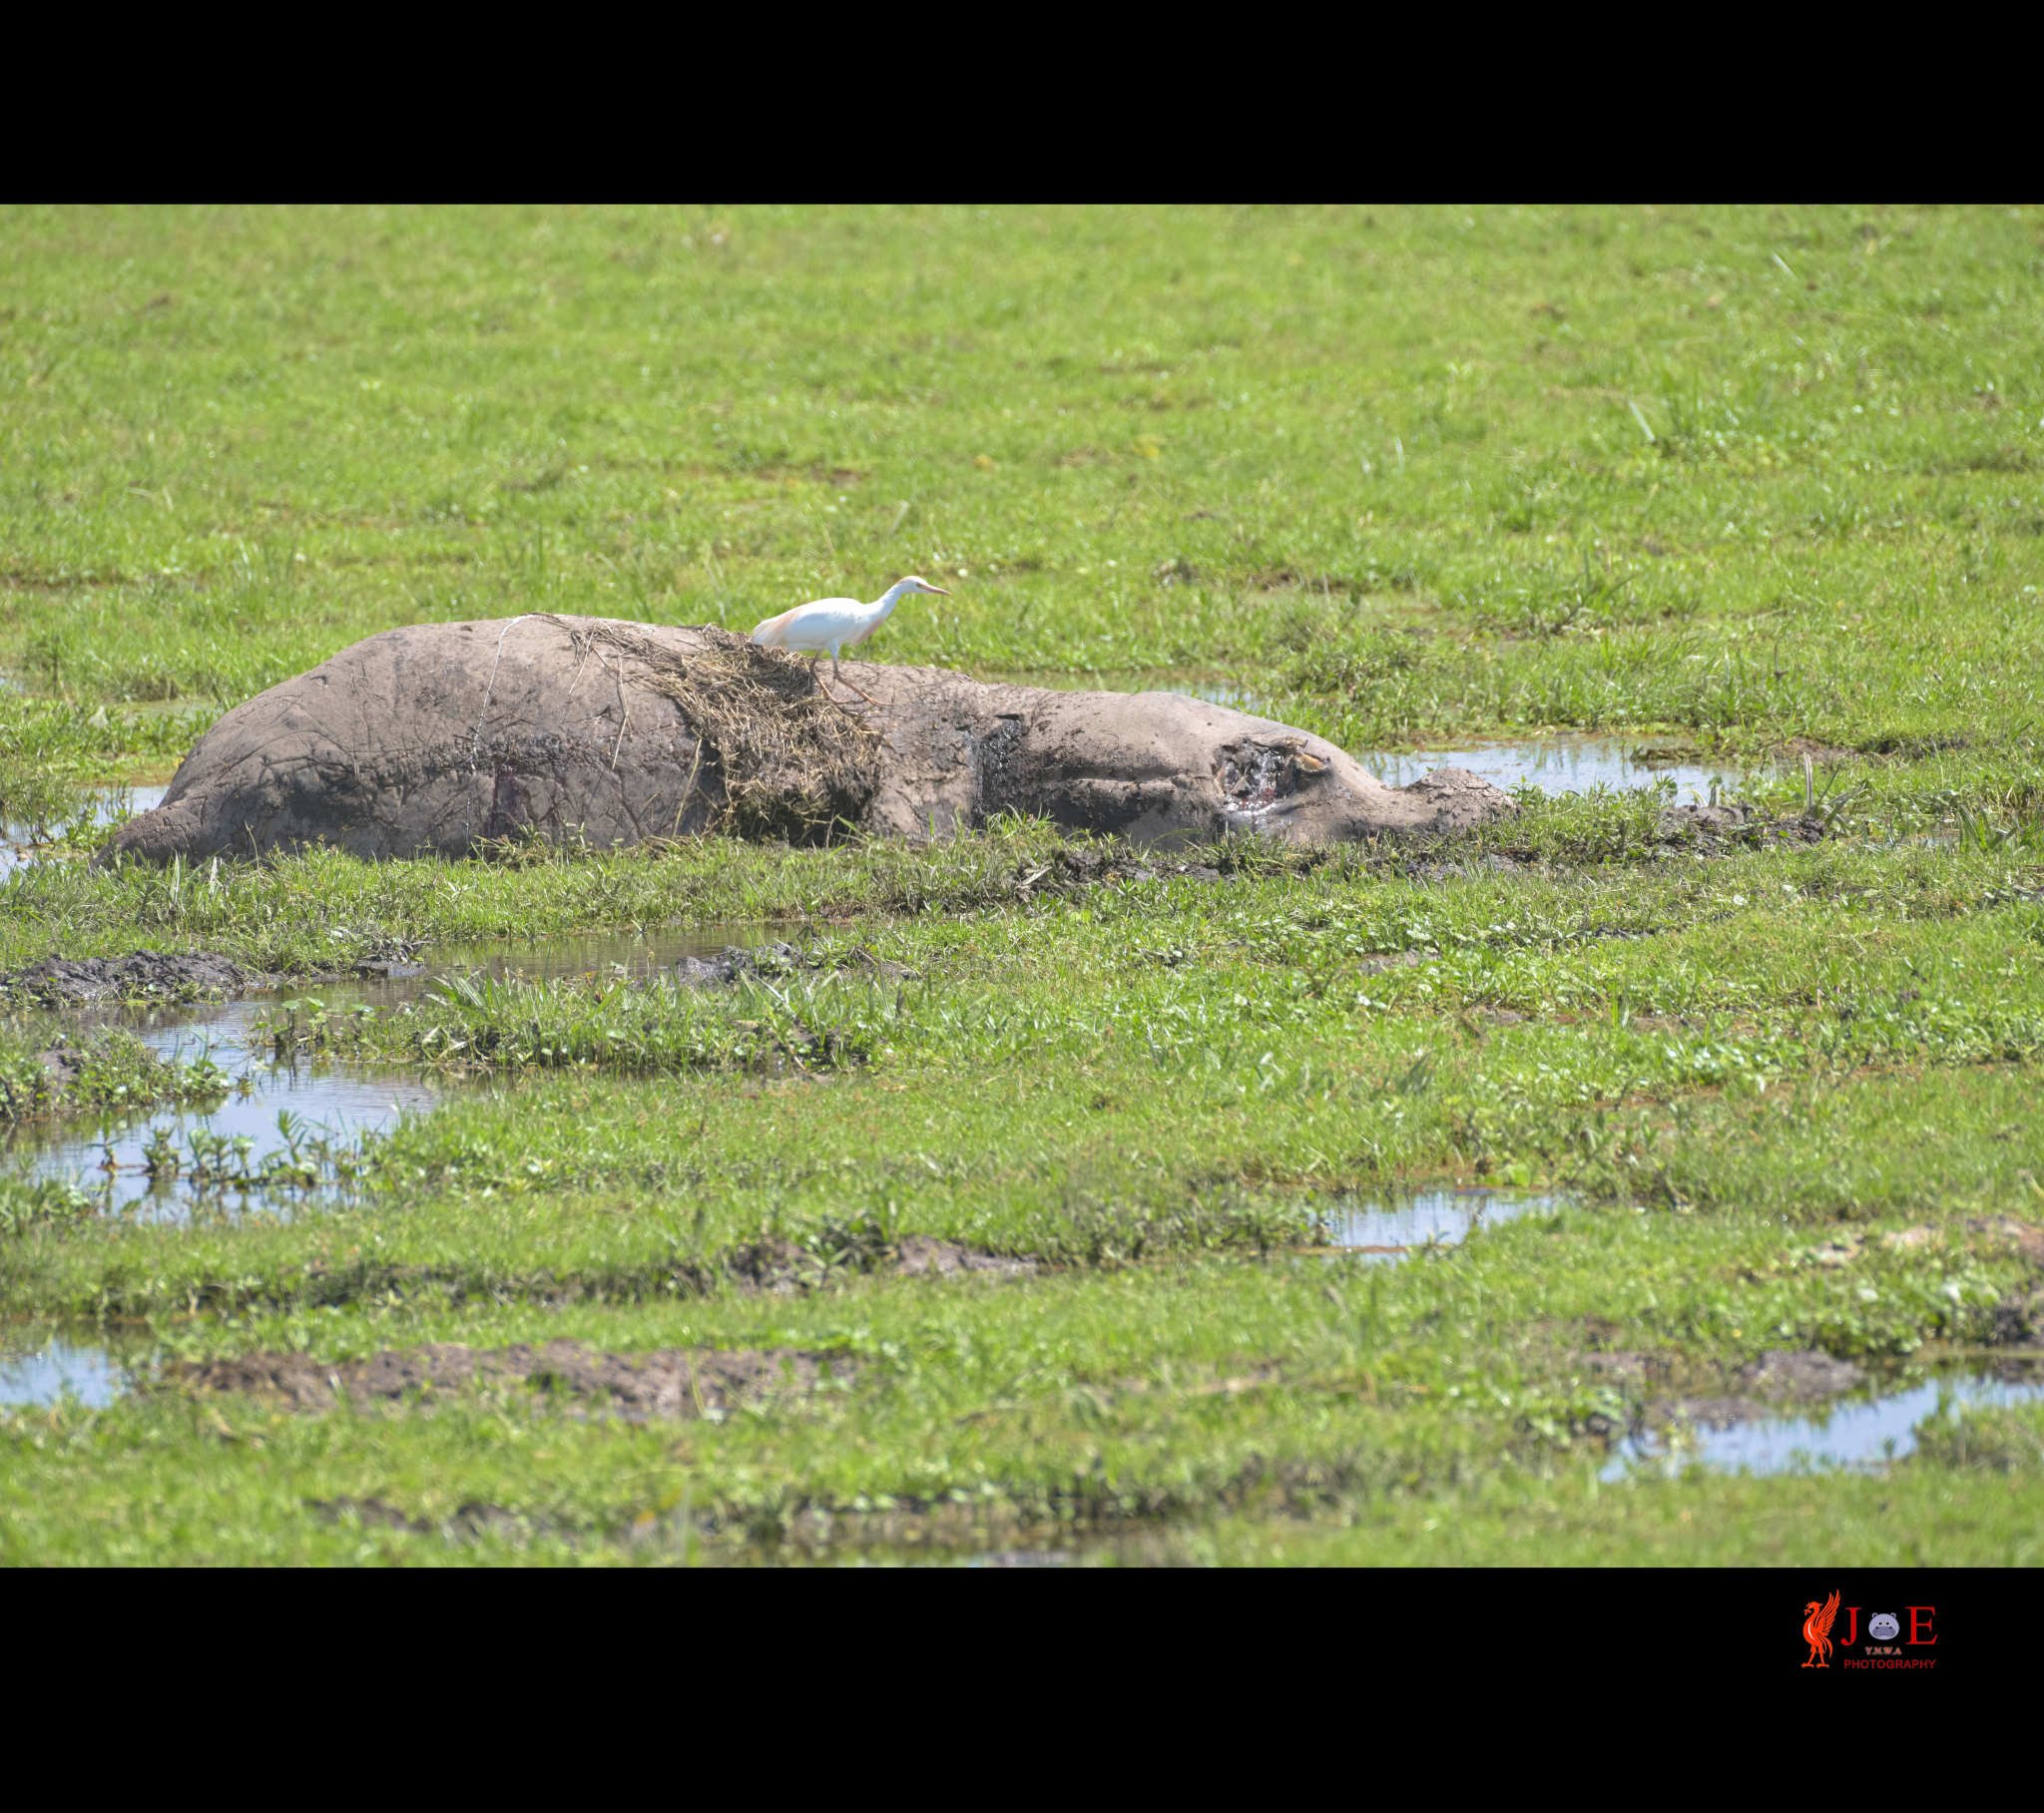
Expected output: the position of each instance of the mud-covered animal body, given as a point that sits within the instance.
(424, 739)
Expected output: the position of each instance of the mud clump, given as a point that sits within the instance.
(734, 961)
(1800, 1377)
(146, 976)
(920, 1256)
(544, 729)
(1744, 825)
(782, 1267)
(1761, 1389)
(469, 1522)
(666, 1384)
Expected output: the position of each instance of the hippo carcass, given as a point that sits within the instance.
(423, 740)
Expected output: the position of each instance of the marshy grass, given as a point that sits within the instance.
(1763, 483)
(48, 1068)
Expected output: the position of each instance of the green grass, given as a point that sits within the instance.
(1756, 479)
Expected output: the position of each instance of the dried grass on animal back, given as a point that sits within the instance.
(423, 740)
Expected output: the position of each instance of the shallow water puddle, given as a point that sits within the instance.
(549, 959)
(332, 1103)
(1866, 1433)
(1554, 764)
(1570, 764)
(108, 804)
(1442, 1217)
(61, 1369)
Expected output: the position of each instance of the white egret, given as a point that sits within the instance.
(837, 623)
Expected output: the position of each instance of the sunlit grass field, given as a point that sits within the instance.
(1759, 482)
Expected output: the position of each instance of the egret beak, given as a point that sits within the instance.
(938, 590)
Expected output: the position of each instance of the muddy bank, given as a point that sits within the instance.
(736, 961)
(1760, 1391)
(782, 1267)
(154, 976)
(1667, 1387)
(430, 739)
(669, 1383)
(1743, 825)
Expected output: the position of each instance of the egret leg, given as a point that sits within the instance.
(839, 679)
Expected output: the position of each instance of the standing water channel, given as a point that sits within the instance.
(106, 806)
(1569, 765)
(333, 1105)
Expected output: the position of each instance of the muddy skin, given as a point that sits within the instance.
(433, 738)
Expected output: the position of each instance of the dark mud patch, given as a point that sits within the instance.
(782, 1267)
(737, 961)
(669, 1383)
(919, 1256)
(1081, 868)
(2025, 1236)
(1756, 1392)
(1741, 826)
(1820, 753)
(1800, 1377)
(1676, 1389)
(152, 976)
(468, 1523)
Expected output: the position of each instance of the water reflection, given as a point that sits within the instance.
(58, 1370)
(1554, 764)
(1572, 764)
(1376, 1231)
(334, 1105)
(1848, 1435)
(106, 805)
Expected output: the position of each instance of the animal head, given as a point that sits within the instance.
(912, 583)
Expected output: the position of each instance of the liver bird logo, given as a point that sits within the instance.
(1816, 1631)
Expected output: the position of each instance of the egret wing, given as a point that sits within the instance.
(819, 624)
(768, 632)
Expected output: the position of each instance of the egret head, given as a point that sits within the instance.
(912, 583)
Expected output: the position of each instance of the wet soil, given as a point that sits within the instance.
(147, 976)
(781, 1267)
(667, 1383)
(1800, 1376)
(1081, 866)
(1744, 825)
(1754, 1393)
(469, 1522)
(919, 1256)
